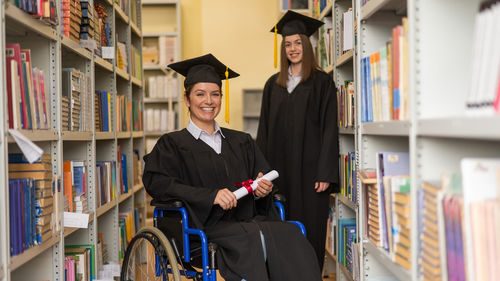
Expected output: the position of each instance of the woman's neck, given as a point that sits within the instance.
(208, 127)
(296, 68)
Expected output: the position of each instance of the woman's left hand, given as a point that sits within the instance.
(264, 187)
(321, 186)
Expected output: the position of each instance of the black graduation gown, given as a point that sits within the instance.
(299, 137)
(179, 166)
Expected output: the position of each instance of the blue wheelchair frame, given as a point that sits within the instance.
(209, 274)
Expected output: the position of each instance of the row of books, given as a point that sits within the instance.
(319, 6)
(484, 93)
(347, 243)
(135, 62)
(75, 186)
(325, 43)
(79, 262)
(129, 114)
(76, 100)
(161, 53)
(105, 182)
(41, 9)
(384, 80)
(31, 202)
(347, 175)
(72, 19)
(102, 110)
(462, 211)
(160, 119)
(104, 28)
(28, 101)
(129, 223)
(386, 193)
(346, 113)
(122, 168)
(163, 87)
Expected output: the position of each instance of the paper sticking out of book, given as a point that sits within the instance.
(30, 150)
(108, 52)
(76, 220)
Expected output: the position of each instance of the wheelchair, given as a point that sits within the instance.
(172, 249)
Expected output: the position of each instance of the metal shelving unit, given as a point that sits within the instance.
(53, 52)
(170, 28)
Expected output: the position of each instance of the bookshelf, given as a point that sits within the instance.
(51, 52)
(161, 46)
(437, 131)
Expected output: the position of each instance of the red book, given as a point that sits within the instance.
(17, 57)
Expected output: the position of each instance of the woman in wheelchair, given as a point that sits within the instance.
(199, 165)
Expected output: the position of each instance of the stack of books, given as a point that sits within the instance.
(430, 257)
(31, 202)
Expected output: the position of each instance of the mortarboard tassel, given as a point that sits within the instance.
(275, 46)
(226, 115)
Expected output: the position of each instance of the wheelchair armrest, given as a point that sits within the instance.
(279, 198)
(170, 203)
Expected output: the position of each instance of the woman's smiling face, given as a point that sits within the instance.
(204, 102)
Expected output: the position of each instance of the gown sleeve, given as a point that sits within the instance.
(163, 179)
(264, 206)
(262, 131)
(328, 160)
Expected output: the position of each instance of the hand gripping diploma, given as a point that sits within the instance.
(261, 187)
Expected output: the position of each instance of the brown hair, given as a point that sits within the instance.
(188, 89)
(309, 64)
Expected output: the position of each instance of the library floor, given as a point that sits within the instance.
(331, 277)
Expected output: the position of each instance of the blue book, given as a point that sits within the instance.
(20, 220)
(79, 177)
(351, 238)
(363, 90)
(342, 224)
(105, 114)
(124, 173)
(33, 211)
(369, 102)
(12, 216)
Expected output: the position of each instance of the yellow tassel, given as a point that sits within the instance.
(275, 46)
(226, 115)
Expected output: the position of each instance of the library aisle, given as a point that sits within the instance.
(88, 92)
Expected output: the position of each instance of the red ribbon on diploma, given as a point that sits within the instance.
(247, 184)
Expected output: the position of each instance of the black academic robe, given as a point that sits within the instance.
(299, 137)
(179, 166)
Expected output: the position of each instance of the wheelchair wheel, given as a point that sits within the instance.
(140, 262)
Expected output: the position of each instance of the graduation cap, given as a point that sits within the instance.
(206, 68)
(293, 23)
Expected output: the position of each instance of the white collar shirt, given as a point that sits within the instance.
(292, 81)
(214, 140)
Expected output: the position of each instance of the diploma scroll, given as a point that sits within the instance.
(252, 185)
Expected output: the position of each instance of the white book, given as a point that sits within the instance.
(156, 119)
(348, 31)
(164, 120)
(152, 87)
(150, 119)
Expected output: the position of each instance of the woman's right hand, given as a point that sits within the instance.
(225, 199)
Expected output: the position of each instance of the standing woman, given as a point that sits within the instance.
(298, 129)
